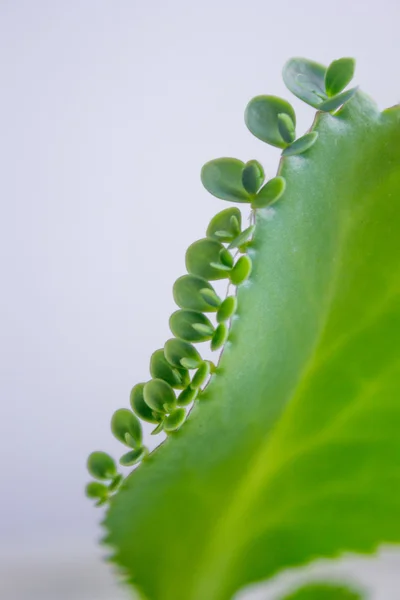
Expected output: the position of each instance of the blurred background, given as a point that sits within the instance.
(108, 110)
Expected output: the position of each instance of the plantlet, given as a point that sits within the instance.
(287, 449)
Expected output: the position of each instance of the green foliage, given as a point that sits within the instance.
(290, 451)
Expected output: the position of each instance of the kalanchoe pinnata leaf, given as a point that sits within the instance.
(173, 421)
(222, 177)
(177, 351)
(161, 369)
(124, 422)
(195, 293)
(139, 406)
(301, 144)
(96, 491)
(157, 393)
(306, 80)
(337, 101)
(205, 330)
(201, 375)
(201, 255)
(270, 192)
(220, 336)
(210, 297)
(242, 238)
(116, 482)
(286, 128)
(133, 457)
(182, 324)
(226, 258)
(253, 176)
(101, 465)
(261, 118)
(225, 222)
(187, 396)
(338, 75)
(220, 266)
(241, 271)
(227, 309)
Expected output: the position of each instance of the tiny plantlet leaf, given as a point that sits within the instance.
(227, 309)
(201, 255)
(221, 267)
(101, 465)
(96, 490)
(270, 192)
(220, 336)
(115, 483)
(161, 369)
(195, 293)
(337, 101)
(201, 375)
(253, 176)
(182, 324)
(301, 145)
(338, 75)
(286, 128)
(223, 227)
(226, 258)
(177, 351)
(241, 271)
(222, 177)
(173, 421)
(124, 422)
(187, 396)
(157, 393)
(261, 118)
(306, 80)
(210, 297)
(139, 406)
(133, 457)
(242, 238)
(159, 427)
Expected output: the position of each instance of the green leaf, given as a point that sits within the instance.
(306, 80)
(187, 396)
(261, 118)
(301, 145)
(324, 591)
(124, 422)
(157, 393)
(115, 483)
(222, 177)
(177, 351)
(337, 101)
(253, 176)
(201, 375)
(96, 491)
(195, 293)
(226, 258)
(101, 465)
(139, 406)
(222, 227)
(133, 457)
(270, 192)
(241, 271)
(173, 421)
(199, 257)
(220, 336)
(293, 451)
(182, 324)
(161, 369)
(286, 128)
(338, 75)
(227, 309)
(242, 238)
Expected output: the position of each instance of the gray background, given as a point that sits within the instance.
(108, 111)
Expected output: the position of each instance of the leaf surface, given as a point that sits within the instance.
(293, 450)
